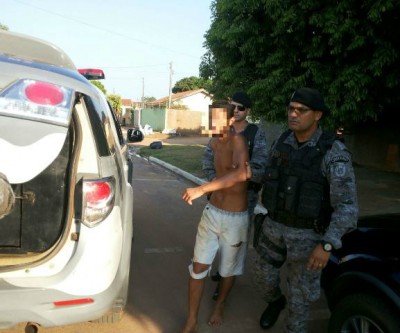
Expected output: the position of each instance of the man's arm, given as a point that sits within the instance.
(343, 191)
(338, 168)
(259, 157)
(239, 173)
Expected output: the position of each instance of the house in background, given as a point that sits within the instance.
(188, 113)
(127, 106)
(193, 100)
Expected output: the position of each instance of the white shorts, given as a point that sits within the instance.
(224, 231)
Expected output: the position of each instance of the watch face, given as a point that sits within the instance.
(328, 247)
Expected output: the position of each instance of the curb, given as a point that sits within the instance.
(178, 171)
(258, 209)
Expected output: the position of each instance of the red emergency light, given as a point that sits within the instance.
(92, 74)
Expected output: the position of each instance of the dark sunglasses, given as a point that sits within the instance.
(240, 107)
(299, 110)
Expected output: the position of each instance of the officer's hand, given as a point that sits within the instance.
(318, 259)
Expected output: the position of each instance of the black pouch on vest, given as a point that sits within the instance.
(270, 189)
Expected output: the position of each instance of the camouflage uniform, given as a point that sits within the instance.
(280, 243)
(257, 164)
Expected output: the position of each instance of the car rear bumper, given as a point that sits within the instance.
(37, 305)
(97, 270)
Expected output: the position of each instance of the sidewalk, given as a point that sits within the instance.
(378, 191)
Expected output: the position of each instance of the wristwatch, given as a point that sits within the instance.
(328, 247)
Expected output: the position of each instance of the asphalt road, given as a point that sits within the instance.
(164, 234)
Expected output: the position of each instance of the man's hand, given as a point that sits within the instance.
(248, 170)
(192, 193)
(318, 259)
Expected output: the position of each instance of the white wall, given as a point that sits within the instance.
(197, 102)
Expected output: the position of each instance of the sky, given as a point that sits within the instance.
(137, 43)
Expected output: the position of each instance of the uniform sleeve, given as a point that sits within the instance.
(338, 168)
(259, 157)
(208, 162)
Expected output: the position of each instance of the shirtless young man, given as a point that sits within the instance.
(224, 224)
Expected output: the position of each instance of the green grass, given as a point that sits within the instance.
(185, 157)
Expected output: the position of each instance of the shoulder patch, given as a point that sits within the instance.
(340, 158)
(340, 169)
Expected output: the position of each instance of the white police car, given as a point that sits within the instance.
(65, 195)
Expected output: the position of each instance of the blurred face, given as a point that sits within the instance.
(239, 112)
(302, 120)
(219, 122)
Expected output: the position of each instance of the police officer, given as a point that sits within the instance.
(240, 106)
(310, 194)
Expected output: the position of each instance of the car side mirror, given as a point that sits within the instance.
(134, 135)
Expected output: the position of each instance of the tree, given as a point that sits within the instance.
(347, 49)
(99, 85)
(3, 27)
(147, 99)
(191, 83)
(115, 101)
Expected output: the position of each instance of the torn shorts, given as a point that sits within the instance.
(224, 231)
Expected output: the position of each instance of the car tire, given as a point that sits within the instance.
(362, 309)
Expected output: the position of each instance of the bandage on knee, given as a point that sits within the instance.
(198, 276)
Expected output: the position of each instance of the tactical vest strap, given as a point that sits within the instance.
(250, 133)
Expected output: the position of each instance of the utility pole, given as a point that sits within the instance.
(142, 92)
(170, 85)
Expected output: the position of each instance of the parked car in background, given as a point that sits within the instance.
(66, 198)
(362, 279)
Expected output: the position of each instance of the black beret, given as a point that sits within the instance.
(242, 98)
(311, 98)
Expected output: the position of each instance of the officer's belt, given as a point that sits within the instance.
(293, 221)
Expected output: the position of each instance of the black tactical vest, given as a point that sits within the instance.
(295, 191)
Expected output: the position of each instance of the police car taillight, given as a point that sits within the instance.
(44, 93)
(37, 100)
(98, 200)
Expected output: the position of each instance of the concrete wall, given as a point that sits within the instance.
(153, 117)
(375, 146)
(184, 121)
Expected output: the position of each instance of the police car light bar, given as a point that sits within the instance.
(92, 74)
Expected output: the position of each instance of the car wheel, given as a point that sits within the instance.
(361, 313)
